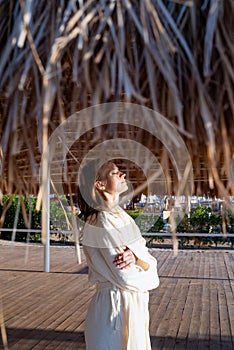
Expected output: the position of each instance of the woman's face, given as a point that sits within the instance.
(112, 179)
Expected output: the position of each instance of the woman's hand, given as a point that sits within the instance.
(125, 259)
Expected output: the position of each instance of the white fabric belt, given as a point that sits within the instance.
(115, 298)
(104, 285)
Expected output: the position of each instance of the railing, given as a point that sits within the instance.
(163, 234)
(188, 234)
(32, 230)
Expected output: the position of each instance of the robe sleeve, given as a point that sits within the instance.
(136, 278)
(144, 259)
(104, 241)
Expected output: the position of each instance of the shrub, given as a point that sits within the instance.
(203, 220)
(9, 218)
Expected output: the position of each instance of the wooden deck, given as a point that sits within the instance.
(193, 308)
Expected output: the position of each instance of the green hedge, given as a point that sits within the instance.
(204, 220)
(201, 219)
(8, 220)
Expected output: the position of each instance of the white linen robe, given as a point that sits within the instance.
(118, 316)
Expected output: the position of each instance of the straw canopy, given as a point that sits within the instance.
(175, 57)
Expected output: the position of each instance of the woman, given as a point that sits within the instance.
(119, 264)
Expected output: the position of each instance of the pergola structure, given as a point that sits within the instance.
(173, 57)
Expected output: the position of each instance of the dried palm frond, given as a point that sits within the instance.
(59, 57)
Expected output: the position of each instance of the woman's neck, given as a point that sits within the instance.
(112, 199)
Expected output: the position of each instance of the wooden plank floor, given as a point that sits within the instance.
(193, 308)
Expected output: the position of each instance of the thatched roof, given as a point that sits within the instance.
(175, 57)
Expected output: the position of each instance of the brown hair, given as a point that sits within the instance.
(90, 201)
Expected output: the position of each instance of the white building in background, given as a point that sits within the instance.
(168, 203)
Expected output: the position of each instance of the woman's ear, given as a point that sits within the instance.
(100, 186)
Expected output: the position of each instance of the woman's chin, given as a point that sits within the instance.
(124, 188)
